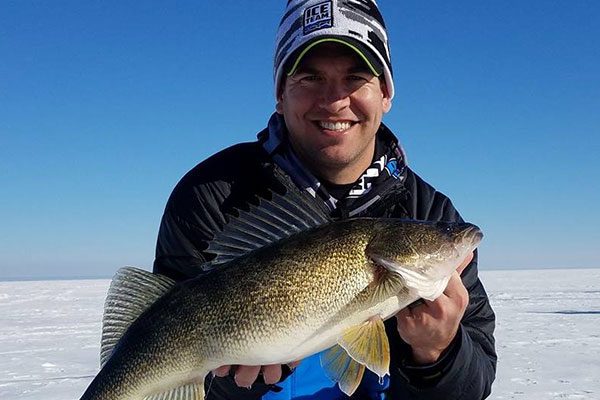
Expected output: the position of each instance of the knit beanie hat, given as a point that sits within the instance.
(357, 24)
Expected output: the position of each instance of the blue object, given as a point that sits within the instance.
(309, 382)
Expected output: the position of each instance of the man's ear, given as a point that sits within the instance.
(279, 105)
(386, 101)
(387, 104)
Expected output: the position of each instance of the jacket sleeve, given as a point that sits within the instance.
(468, 367)
(191, 216)
(197, 209)
(198, 206)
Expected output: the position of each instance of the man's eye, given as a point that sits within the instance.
(357, 78)
(311, 78)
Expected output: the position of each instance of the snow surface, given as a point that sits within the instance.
(548, 335)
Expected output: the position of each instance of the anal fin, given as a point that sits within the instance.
(191, 391)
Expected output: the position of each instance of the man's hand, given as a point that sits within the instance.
(245, 375)
(429, 328)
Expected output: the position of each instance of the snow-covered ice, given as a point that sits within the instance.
(548, 335)
(49, 337)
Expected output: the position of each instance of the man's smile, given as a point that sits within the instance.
(336, 126)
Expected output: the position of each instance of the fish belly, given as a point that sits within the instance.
(306, 341)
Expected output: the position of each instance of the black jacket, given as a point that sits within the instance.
(235, 176)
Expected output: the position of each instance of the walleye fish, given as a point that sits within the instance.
(286, 283)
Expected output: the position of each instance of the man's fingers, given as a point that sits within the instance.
(454, 284)
(465, 262)
(409, 316)
(271, 373)
(245, 375)
(456, 291)
(222, 371)
(404, 313)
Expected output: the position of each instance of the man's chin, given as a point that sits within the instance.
(332, 159)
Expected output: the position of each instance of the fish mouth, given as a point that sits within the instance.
(471, 235)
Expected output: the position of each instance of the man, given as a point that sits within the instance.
(333, 82)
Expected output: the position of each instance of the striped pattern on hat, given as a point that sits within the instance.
(307, 20)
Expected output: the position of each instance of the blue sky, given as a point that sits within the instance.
(105, 105)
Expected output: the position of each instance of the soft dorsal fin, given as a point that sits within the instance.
(131, 292)
(268, 222)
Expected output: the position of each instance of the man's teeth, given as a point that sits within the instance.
(335, 126)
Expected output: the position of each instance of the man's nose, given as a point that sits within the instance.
(334, 97)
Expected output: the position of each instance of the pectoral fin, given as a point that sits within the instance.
(368, 344)
(341, 368)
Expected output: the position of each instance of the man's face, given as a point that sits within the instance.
(333, 107)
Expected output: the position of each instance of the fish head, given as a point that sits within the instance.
(429, 250)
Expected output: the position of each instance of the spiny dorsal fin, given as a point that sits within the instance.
(192, 391)
(270, 221)
(131, 292)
